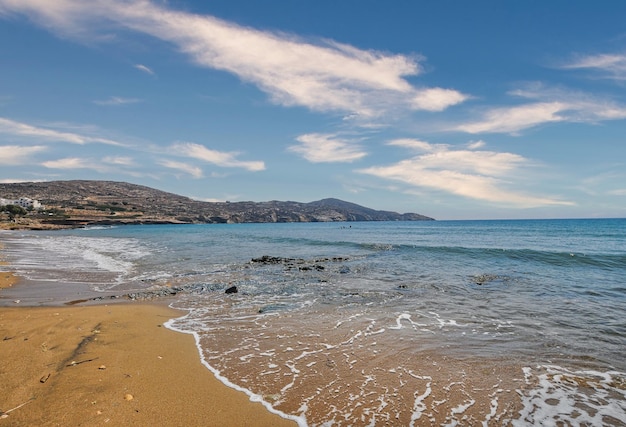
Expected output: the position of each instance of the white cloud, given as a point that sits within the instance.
(480, 175)
(194, 171)
(17, 155)
(608, 182)
(514, 119)
(218, 158)
(576, 106)
(474, 145)
(71, 163)
(326, 148)
(419, 145)
(611, 65)
(416, 144)
(119, 160)
(12, 127)
(322, 76)
(14, 181)
(117, 100)
(550, 105)
(145, 69)
(107, 164)
(437, 99)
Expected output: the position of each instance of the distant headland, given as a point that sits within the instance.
(69, 204)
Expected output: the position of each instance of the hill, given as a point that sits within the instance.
(80, 203)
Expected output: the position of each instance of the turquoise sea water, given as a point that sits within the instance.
(381, 323)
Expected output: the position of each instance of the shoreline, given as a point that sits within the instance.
(7, 278)
(322, 346)
(111, 363)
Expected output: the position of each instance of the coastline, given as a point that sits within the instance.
(110, 364)
(329, 342)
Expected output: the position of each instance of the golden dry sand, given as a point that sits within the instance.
(111, 365)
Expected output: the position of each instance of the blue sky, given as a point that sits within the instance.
(452, 109)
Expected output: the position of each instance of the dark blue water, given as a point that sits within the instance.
(507, 322)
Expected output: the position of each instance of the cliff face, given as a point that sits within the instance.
(77, 203)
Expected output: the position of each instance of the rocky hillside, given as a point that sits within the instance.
(78, 203)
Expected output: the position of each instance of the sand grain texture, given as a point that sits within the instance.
(111, 365)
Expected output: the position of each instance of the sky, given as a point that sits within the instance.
(450, 109)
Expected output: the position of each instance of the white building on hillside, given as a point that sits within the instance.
(24, 202)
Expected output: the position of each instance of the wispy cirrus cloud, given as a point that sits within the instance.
(608, 182)
(548, 105)
(218, 158)
(107, 164)
(145, 69)
(515, 119)
(327, 148)
(480, 175)
(577, 106)
(16, 154)
(73, 163)
(119, 160)
(186, 168)
(322, 75)
(608, 65)
(474, 145)
(117, 100)
(25, 130)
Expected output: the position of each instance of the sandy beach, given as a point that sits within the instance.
(358, 337)
(110, 365)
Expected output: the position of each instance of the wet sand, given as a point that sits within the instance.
(110, 364)
(117, 364)
(7, 279)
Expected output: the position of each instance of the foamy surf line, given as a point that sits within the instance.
(437, 390)
(559, 395)
(301, 421)
(100, 264)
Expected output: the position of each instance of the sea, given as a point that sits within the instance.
(501, 322)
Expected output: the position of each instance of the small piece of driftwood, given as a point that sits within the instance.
(74, 363)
